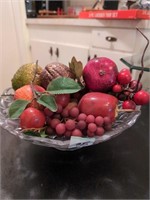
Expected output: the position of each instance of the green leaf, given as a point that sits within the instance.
(48, 101)
(76, 67)
(63, 85)
(42, 134)
(17, 107)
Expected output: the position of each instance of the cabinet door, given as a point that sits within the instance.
(113, 55)
(43, 51)
(66, 52)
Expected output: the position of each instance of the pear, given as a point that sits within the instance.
(26, 74)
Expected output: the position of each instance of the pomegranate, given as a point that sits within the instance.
(98, 104)
(100, 74)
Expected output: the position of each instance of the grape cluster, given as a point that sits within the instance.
(129, 91)
(68, 121)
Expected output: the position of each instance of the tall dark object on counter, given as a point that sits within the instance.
(33, 6)
(110, 5)
(30, 8)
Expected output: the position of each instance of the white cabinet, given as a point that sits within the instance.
(47, 51)
(60, 39)
(113, 55)
(114, 39)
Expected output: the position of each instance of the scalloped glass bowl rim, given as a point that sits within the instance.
(124, 121)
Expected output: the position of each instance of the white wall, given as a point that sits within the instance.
(85, 3)
(13, 41)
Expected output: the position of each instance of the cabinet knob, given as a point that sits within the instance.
(89, 57)
(111, 39)
(57, 52)
(51, 51)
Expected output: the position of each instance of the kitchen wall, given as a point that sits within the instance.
(13, 41)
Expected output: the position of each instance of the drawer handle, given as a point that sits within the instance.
(51, 51)
(57, 52)
(111, 39)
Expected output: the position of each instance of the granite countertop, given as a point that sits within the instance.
(116, 169)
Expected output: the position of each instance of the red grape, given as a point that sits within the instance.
(62, 99)
(108, 127)
(54, 122)
(107, 120)
(124, 76)
(70, 124)
(65, 113)
(48, 112)
(92, 127)
(117, 88)
(90, 134)
(133, 85)
(90, 119)
(60, 129)
(99, 120)
(68, 133)
(100, 131)
(76, 132)
(50, 131)
(129, 104)
(59, 109)
(81, 124)
(82, 116)
(141, 97)
(74, 112)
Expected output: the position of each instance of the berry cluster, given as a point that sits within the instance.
(68, 121)
(129, 91)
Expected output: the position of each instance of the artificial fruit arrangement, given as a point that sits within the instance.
(75, 100)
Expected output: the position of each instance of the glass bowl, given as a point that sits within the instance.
(124, 121)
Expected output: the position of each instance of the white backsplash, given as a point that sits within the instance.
(84, 3)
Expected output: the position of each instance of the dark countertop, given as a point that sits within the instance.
(116, 169)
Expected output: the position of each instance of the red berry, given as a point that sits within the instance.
(76, 132)
(100, 131)
(129, 104)
(81, 124)
(124, 76)
(82, 116)
(141, 97)
(59, 108)
(74, 112)
(48, 112)
(92, 127)
(99, 121)
(133, 85)
(54, 122)
(90, 134)
(60, 129)
(62, 99)
(70, 124)
(90, 119)
(117, 88)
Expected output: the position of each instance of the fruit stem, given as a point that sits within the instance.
(126, 110)
(36, 67)
(142, 60)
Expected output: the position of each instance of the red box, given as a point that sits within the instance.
(115, 14)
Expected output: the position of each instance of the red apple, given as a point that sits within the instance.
(98, 104)
(32, 118)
